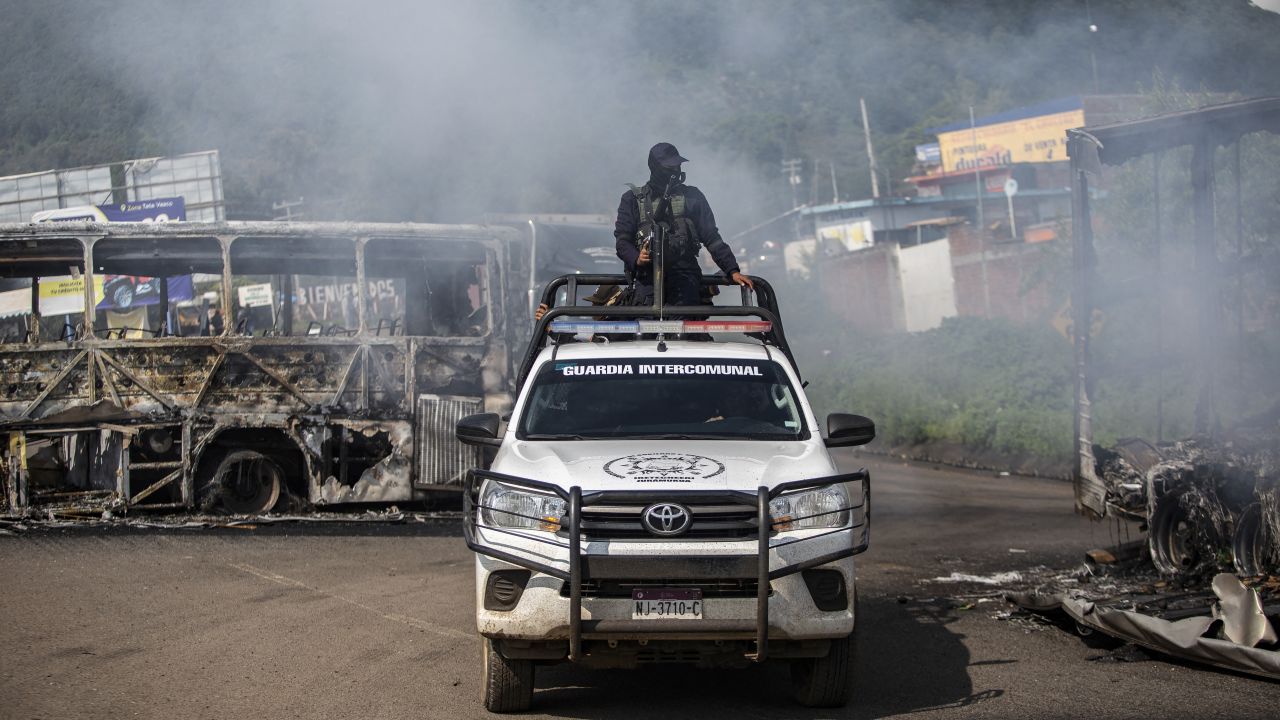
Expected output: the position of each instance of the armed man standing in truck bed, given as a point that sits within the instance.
(691, 225)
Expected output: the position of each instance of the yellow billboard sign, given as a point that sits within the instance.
(65, 294)
(1037, 139)
(59, 295)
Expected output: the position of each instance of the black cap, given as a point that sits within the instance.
(666, 155)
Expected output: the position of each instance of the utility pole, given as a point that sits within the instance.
(871, 152)
(982, 219)
(1093, 60)
(835, 189)
(791, 168)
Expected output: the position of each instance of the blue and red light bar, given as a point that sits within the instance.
(636, 327)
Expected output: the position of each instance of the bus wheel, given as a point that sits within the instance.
(507, 682)
(248, 482)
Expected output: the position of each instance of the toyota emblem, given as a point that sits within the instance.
(666, 519)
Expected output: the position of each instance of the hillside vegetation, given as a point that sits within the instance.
(403, 110)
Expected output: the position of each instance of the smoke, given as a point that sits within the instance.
(441, 111)
(400, 110)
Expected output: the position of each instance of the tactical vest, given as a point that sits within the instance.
(682, 238)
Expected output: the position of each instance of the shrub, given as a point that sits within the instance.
(985, 384)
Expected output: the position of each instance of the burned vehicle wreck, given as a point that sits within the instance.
(1201, 348)
(1205, 269)
(1202, 499)
(320, 362)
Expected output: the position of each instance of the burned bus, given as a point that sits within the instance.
(240, 366)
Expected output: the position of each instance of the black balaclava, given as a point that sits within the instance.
(658, 175)
(664, 162)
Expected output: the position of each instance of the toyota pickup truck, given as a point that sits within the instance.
(661, 493)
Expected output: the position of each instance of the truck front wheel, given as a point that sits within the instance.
(826, 681)
(508, 683)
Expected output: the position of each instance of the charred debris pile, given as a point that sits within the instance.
(1205, 584)
(1207, 503)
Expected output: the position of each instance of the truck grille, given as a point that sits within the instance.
(711, 588)
(714, 520)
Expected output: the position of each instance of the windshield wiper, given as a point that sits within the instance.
(663, 436)
(722, 436)
(549, 436)
(687, 436)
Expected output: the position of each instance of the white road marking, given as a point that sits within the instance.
(418, 623)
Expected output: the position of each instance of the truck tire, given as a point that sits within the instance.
(825, 682)
(508, 683)
(1252, 548)
(1185, 535)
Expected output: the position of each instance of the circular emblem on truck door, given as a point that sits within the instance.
(666, 519)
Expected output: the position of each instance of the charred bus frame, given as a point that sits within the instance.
(1195, 498)
(362, 413)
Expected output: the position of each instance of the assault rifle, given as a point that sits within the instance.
(658, 236)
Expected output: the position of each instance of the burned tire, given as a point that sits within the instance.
(1183, 537)
(247, 482)
(827, 681)
(507, 683)
(1252, 551)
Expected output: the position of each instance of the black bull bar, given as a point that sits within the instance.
(581, 567)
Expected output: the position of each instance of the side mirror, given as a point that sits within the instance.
(846, 430)
(478, 429)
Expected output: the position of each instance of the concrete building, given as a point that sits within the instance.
(968, 239)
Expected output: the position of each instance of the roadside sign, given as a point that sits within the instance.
(153, 210)
(1011, 189)
(255, 295)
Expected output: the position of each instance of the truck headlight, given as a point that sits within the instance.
(825, 507)
(504, 506)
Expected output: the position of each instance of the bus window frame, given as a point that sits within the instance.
(488, 264)
(90, 301)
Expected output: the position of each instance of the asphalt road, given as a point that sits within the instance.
(360, 621)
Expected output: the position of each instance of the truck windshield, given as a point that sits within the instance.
(658, 398)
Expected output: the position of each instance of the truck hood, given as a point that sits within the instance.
(666, 464)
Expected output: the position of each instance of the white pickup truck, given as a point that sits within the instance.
(658, 500)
